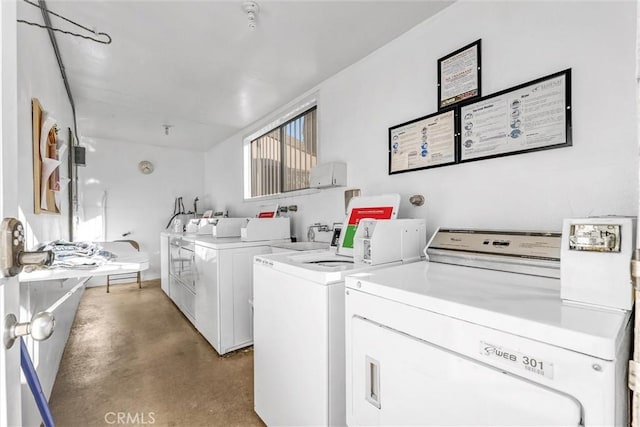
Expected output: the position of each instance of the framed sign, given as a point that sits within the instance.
(459, 76)
(530, 117)
(427, 142)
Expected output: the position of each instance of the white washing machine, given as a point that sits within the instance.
(479, 336)
(299, 326)
(210, 278)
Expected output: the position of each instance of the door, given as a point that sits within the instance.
(399, 380)
(10, 400)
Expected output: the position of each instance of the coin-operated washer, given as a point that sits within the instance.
(299, 314)
(483, 333)
(211, 276)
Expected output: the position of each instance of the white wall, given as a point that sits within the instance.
(521, 41)
(136, 203)
(39, 77)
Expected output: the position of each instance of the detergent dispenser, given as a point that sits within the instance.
(383, 241)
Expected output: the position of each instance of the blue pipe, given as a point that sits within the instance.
(34, 384)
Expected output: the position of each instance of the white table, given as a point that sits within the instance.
(58, 290)
(128, 260)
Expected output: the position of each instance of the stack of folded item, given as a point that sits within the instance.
(77, 255)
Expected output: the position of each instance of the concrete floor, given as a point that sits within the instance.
(132, 358)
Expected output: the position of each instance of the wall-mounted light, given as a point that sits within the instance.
(146, 167)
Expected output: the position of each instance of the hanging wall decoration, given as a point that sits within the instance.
(47, 150)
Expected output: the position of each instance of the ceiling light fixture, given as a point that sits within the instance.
(166, 129)
(251, 8)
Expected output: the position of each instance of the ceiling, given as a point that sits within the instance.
(197, 66)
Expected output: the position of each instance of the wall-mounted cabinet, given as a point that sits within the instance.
(326, 175)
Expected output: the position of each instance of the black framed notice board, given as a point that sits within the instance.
(532, 116)
(426, 142)
(460, 75)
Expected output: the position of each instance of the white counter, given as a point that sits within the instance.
(59, 291)
(128, 260)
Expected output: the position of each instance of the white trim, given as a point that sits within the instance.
(299, 108)
(295, 193)
(307, 97)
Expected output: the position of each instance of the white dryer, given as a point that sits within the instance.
(479, 336)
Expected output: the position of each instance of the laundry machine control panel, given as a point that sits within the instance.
(595, 261)
(526, 252)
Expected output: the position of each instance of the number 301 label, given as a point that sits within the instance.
(518, 360)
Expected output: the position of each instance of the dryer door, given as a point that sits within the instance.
(400, 380)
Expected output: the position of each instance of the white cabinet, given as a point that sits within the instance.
(326, 175)
(224, 286)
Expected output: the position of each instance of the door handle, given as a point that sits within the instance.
(40, 328)
(372, 383)
(12, 254)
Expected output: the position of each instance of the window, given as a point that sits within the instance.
(281, 159)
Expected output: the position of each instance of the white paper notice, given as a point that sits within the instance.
(424, 143)
(459, 75)
(527, 118)
(48, 166)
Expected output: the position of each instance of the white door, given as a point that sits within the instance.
(399, 380)
(10, 401)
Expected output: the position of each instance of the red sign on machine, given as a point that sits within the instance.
(383, 212)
